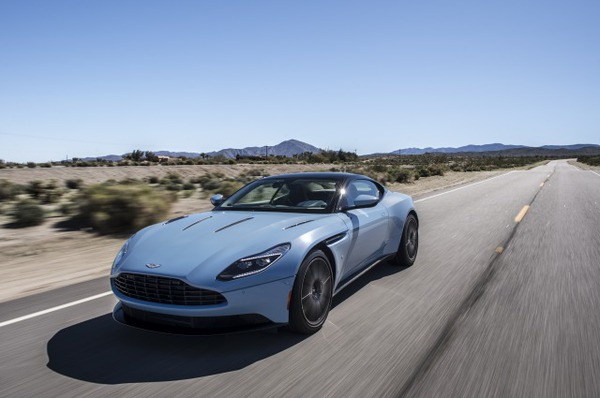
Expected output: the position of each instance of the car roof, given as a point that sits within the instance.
(326, 174)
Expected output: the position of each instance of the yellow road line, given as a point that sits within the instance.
(522, 213)
(499, 250)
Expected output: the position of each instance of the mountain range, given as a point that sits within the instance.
(293, 147)
(496, 147)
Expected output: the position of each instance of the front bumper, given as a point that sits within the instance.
(250, 308)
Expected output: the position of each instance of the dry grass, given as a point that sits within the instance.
(91, 175)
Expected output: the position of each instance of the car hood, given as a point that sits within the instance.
(200, 246)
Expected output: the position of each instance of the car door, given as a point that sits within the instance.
(369, 227)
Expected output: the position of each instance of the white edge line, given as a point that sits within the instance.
(594, 172)
(57, 308)
(465, 186)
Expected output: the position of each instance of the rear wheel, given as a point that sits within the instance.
(409, 244)
(312, 293)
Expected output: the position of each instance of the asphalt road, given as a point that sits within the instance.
(494, 306)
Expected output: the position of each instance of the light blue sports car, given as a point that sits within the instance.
(273, 253)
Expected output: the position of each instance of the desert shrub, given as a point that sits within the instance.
(46, 165)
(256, 172)
(9, 190)
(437, 169)
(68, 208)
(35, 189)
(187, 193)
(153, 180)
(379, 168)
(174, 187)
(51, 196)
(74, 183)
(211, 184)
(423, 172)
(188, 186)
(589, 160)
(46, 193)
(174, 177)
(31, 165)
(122, 208)
(228, 188)
(26, 213)
(402, 176)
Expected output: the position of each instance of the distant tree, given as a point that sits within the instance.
(151, 156)
(136, 155)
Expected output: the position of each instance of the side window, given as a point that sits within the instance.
(361, 188)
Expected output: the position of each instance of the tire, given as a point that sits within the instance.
(409, 244)
(312, 294)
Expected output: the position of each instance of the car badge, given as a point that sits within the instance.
(152, 265)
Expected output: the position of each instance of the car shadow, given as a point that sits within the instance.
(380, 271)
(102, 351)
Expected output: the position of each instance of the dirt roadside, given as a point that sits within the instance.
(43, 258)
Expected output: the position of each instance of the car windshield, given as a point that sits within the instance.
(285, 194)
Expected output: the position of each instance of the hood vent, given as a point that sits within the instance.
(234, 223)
(197, 222)
(175, 219)
(300, 223)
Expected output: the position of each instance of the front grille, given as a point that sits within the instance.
(159, 289)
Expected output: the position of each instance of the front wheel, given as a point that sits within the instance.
(312, 293)
(409, 244)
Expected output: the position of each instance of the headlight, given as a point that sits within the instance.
(254, 264)
(121, 253)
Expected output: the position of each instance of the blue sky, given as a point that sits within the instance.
(84, 78)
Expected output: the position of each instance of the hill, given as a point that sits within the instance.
(287, 148)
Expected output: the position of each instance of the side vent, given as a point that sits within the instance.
(335, 238)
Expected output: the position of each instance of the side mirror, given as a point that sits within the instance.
(365, 200)
(362, 201)
(217, 199)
